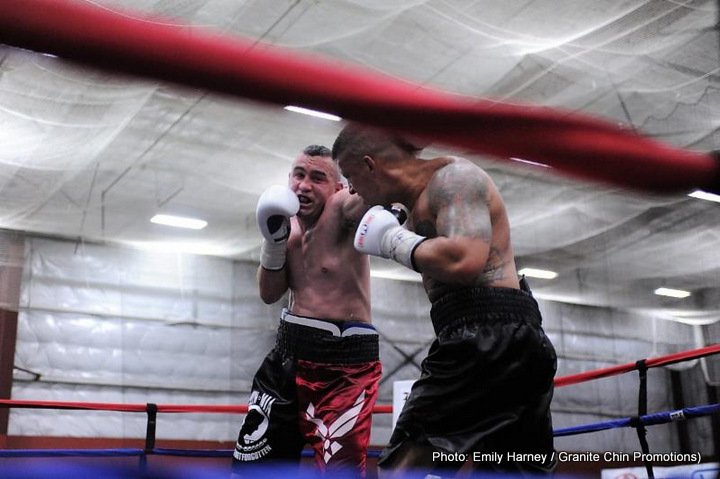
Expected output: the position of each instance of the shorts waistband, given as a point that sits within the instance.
(316, 340)
(483, 304)
(336, 328)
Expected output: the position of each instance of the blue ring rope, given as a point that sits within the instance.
(647, 420)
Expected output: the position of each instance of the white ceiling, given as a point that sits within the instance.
(91, 155)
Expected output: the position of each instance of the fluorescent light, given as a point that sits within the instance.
(528, 162)
(538, 273)
(179, 222)
(318, 114)
(673, 293)
(703, 195)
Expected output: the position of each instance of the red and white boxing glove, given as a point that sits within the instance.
(274, 209)
(380, 234)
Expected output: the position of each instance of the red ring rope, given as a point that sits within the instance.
(576, 144)
(624, 368)
(378, 409)
(164, 408)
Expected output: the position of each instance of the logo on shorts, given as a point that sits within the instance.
(252, 444)
(342, 425)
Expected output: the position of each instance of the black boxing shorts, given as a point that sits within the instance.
(486, 384)
(318, 386)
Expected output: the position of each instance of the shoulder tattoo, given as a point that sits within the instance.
(458, 196)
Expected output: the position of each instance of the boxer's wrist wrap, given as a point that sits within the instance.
(272, 255)
(400, 244)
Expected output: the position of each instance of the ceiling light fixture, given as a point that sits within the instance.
(538, 273)
(179, 222)
(672, 293)
(703, 195)
(528, 162)
(315, 113)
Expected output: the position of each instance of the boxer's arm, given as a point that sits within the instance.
(274, 210)
(272, 284)
(458, 197)
(352, 208)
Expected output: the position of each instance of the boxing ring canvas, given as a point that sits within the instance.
(111, 308)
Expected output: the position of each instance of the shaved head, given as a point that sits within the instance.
(324, 152)
(357, 140)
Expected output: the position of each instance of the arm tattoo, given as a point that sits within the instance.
(459, 195)
(494, 270)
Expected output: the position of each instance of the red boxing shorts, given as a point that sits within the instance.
(318, 386)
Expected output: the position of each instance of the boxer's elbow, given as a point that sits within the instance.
(454, 261)
(456, 269)
(270, 298)
(273, 293)
(465, 270)
(272, 285)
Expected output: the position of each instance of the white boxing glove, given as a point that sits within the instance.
(380, 234)
(274, 209)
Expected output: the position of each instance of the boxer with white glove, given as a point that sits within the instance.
(326, 346)
(489, 372)
(380, 234)
(274, 209)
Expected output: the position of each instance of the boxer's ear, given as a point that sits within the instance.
(369, 163)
